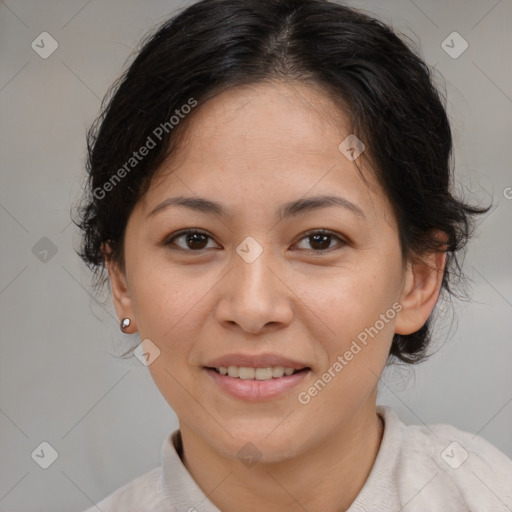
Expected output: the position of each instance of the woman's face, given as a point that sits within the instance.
(256, 283)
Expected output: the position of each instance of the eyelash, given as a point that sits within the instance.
(169, 240)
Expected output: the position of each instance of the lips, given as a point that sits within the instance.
(254, 390)
(256, 377)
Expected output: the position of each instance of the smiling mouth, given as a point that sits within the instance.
(263, 373)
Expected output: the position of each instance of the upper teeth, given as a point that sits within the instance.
(245, 373)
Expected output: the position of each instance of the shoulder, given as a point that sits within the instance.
(141, 493)
(442, 465)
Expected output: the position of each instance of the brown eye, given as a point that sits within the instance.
(196, 241)
(193, 241)
(320, 240)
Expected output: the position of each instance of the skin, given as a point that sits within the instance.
(253, 148)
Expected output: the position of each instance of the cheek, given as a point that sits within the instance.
(171, 310)
(359, 309)
(352, 301)
(165, 300)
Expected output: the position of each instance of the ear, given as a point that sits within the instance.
(422, 285)
(120, 290)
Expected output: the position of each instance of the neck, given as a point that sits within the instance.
(327, 476)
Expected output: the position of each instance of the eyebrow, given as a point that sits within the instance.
(291, 209)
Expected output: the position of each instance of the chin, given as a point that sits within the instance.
(265, 444)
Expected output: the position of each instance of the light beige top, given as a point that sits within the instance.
(436, 468)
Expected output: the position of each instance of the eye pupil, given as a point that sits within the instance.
(321, 238)
(192, 238)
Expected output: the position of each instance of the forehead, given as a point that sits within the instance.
(277, 141)
(275, 120)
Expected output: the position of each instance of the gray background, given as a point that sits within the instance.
(59, 381)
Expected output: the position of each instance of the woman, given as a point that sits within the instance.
(269, 193)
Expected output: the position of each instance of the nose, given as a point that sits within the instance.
(254, 296)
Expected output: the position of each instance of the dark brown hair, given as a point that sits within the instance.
(387, 89)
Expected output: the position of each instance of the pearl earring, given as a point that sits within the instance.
(125, 323)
